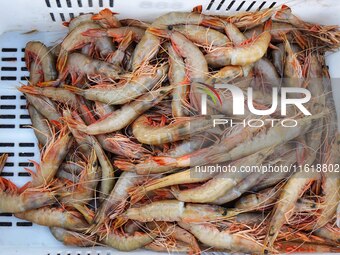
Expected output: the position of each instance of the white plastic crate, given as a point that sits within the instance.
(45, 17)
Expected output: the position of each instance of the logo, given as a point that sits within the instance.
(282, 102)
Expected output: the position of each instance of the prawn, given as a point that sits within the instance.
(124, 116)
(14, 201)
(54, 217)
(178, 130)
(51, 158)
(211, 236)
(137, 86)
(118, 34)
(39, 58)
(221, 183)
(173, 210)
(245, 54)
(57, 94)
(40, 125)
(72, 238)
(178, 78)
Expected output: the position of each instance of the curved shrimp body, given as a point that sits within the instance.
(290, 193)
(137, 86)
(178, 78)
(124, 242)
(3, 159)
(292, 67)
(244, 54)
(40, 125)
(75, 22)
(115, 203)
(173, 210)
(13, 202)
(83, 192)
(203, 36)
(228, 73)
(54, 217)
(176, 131)
(45, 105)
(211, 236)
(125, 115)
(134, 23)
(81, 65)
(150, 166)
(51, 159)
(42, 57)
(266, 74)
(118, 34)
(328, 232)
(57, 94)
(72, 238)
(195, 62)
(149, 45)
(74, 40)
(222, 183)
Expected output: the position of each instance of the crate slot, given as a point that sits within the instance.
(6, 144)
(210, 4)
(8, 59)
(69, 3)
(7, 116)
(10, 154)
(100, 3)
(26, 144)
(25, 125)
(48, 4)
(24, 174)
(261, 5)
(7, 126)
(24, 69)
(7, 107)
(62, 17)
(24, 224)
(71, 15)
(24, 116)
(5, 214)
(230, 5)
(90, 3)
(112, 3)
(52, 17)
(8, 78)
(23, 107)
(5, 224)
(26, 154)
(272, 5)
(9, 50)
(6, 174)
(250, 6)
(80, 4)
(8, 97)
(9, 164)
(220, 5)
(240, 6)
(5, 68)
(25, 164)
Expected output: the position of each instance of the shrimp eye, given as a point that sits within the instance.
(170, 27)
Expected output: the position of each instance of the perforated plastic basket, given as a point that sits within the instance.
(46, 16)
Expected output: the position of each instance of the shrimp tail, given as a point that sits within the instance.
(103, 14)
(283, 13)
(74, 90)
(95, 32)
(30, 90)
(212, 23)
(159, 32)
(165, 161)
(74, 124)
(124, 165)
(8, 186)
(197, 9)
(3, 159)
(62, 60)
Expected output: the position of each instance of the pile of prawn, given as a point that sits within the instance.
(116, 109)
